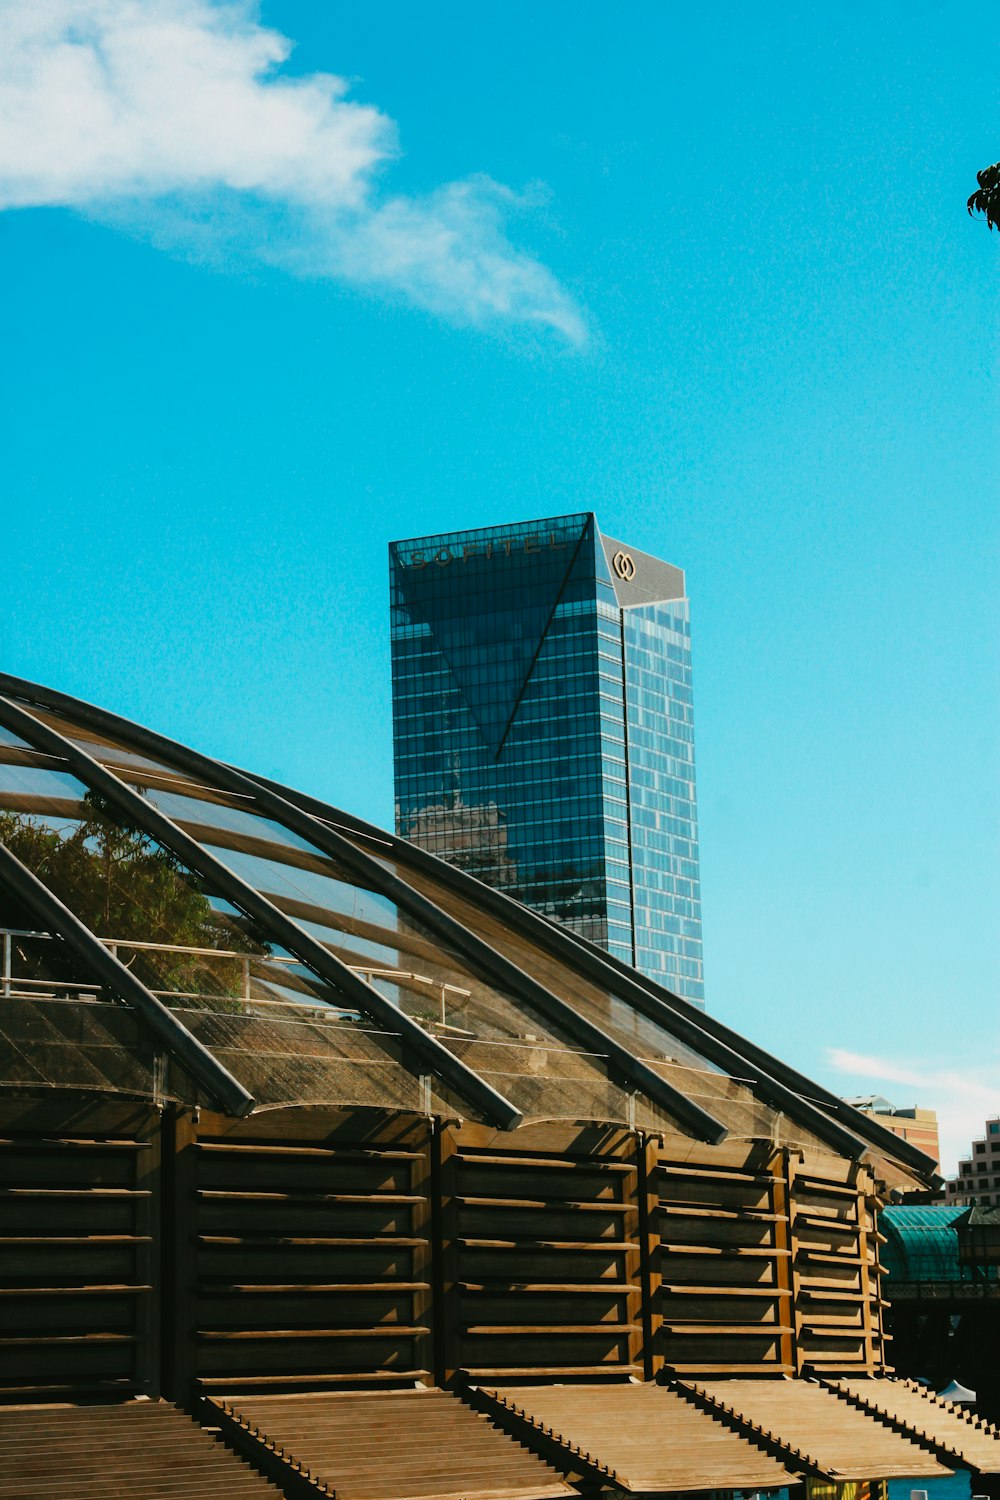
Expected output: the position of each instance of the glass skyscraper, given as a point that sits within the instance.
(543, 730)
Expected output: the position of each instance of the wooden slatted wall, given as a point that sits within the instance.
(320, 1249)
(541, 1253)
(835, 1241)
(720, 1262)
(79, 1249)
(302, 1252)
(762, 1258)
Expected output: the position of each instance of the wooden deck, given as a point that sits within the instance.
(955, 1433)
(812, 1426)
(137, 1448)
(637, 1438)
(385, 1445)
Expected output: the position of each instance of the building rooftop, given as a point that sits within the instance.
(178, 928)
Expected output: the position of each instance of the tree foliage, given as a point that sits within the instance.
(986, 199)
(123, 885)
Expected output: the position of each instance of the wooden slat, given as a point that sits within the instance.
(562, 1329)
(954, 1433)
(147, 1449)
(809, 1425)
(310, 1199)
(80, 1213)
(769, 1293)
(709, 1174)
(306, 1261)
(524, 1243)
(319, 1380)
(613, 1373)
(635, 1439)
(514, 1220)
(325, 1241)
(568, 1205)
(550, 1164)
(306, 1289)
(384, 1446)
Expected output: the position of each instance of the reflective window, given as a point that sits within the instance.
(543, 735)
(500, 727)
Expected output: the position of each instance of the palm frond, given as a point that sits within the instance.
(986, 199)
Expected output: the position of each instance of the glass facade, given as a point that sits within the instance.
(543, 732)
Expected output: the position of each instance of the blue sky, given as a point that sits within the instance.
(269, 306)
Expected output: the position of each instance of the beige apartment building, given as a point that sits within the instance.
(978, 1179)
(918, 1126)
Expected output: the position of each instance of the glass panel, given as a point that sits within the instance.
(645, 1037)
(181, 797)
(295, 870)
(365, 929)
(290, 1055)
(171, 931)
(63, 1040)
(731, 1101)
(472, 1010)
(239, 820)
(360, 925)
(102, 747)
(324, 892)
(67, 1040)
(38, 781)
(8, 737)
(240, 976)
(258, 1009)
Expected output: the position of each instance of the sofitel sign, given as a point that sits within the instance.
(507, 548)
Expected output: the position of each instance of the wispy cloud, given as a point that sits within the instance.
(964, 1095)
(173, 119)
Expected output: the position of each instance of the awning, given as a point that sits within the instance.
(636, 1438)
(957, 1435)
(812, 1425)
(385, 1445)
(958, 1394)
(136, 1448)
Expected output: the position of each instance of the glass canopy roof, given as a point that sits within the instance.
(174, 929)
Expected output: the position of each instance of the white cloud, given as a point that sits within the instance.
(964, 1095)
(171, 118)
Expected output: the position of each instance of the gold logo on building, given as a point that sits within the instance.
(624, 566)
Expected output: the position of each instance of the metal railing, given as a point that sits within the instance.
(116, 946)
(445, 989)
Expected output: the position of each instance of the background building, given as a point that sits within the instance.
(978, 1179)
(543, 730)
(918, 1126)
(942, 1286)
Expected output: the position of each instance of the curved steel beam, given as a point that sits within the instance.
(485, 959)
(279, 927)
(861, 1126)
(105, 967)
(689, 1025)
(627, 985)
(843, 1127)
